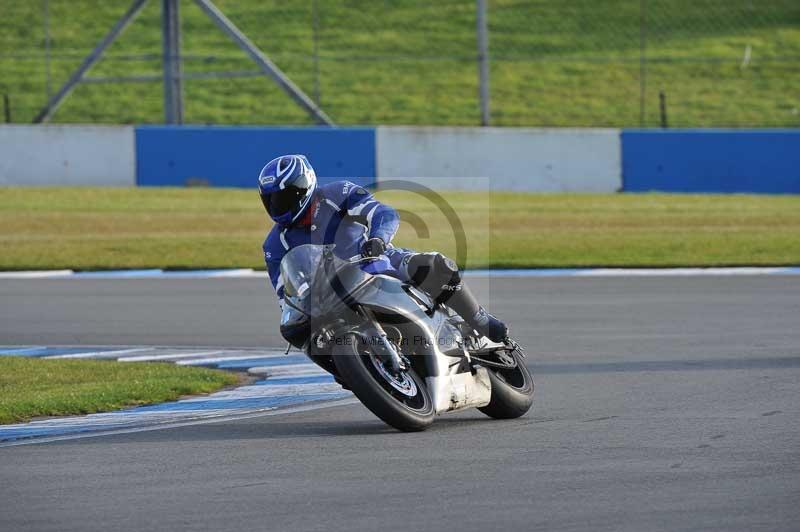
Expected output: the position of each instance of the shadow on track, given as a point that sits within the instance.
(666, 365)
(274, 427)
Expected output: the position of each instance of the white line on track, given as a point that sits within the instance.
(499, 273)
(239, 273)
(153, 358)
(10, 350)
(680, 272)
(633, 272)
(35, 274)
(293, 370)
(104, 354)
(200, 360)
(218, 419)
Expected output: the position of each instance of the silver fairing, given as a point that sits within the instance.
(292, 316)
(431, 335)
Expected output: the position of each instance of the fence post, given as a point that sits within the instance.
(48, 79)
(315, 36)
(7, 108)
(483, 61)
(173, 82)
(642, 60)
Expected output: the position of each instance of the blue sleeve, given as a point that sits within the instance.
(273, 253)
(381, 220)
(274, 270)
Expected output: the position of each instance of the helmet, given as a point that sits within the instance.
(286, 185)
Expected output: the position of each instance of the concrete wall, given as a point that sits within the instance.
(233, 156)
(759, 161)
(514, 159)
(517, 159)
(67, 155)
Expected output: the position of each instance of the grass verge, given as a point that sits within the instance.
(179, 228)
(31, 387)
(411, 62)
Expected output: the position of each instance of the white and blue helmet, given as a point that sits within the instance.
(287, 184)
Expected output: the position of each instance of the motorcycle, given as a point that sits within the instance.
(403, 355)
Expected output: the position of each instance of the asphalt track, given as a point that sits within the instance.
(662, 404)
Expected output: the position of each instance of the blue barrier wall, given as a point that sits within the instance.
(233, 156)
(761, 161)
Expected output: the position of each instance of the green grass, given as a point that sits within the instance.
(94, 228)
(31, 387)
(413, 62)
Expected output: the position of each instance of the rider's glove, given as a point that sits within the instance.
(374, 247)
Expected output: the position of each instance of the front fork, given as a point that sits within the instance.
(376, 338)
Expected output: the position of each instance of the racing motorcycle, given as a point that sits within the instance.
(403, 355)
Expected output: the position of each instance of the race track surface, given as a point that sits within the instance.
(662, 404)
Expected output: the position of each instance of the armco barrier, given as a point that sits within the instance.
(67, 155)
(516, 159)
(760, 161)
(232, 156)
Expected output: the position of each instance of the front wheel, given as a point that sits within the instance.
(512, 386)
(401, 401)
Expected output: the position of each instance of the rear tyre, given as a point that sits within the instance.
(512, 390)
(400, 401)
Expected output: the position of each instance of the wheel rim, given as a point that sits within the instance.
(402, 387)
(514, 375)
(401, 382)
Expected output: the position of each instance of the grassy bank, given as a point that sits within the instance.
(414, 62)
(31, 387)
(91, 228)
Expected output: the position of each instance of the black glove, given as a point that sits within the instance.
(374, 247)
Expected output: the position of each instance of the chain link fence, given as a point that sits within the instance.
(650, 63)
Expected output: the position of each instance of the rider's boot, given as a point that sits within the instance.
(489, 326)
(465, 304)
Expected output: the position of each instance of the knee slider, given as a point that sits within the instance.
(436, 274)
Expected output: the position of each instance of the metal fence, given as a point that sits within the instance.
(651, 63)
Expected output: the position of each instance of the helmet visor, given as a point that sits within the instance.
(282, 201)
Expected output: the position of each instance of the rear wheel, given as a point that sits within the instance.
(401, 400)
(512, 385)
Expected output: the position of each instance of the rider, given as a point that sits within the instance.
(347, 215)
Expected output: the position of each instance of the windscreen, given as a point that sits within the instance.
(299, 269)
(317, 281)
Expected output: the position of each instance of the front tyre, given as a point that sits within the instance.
(512, 388)
(401, 401)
